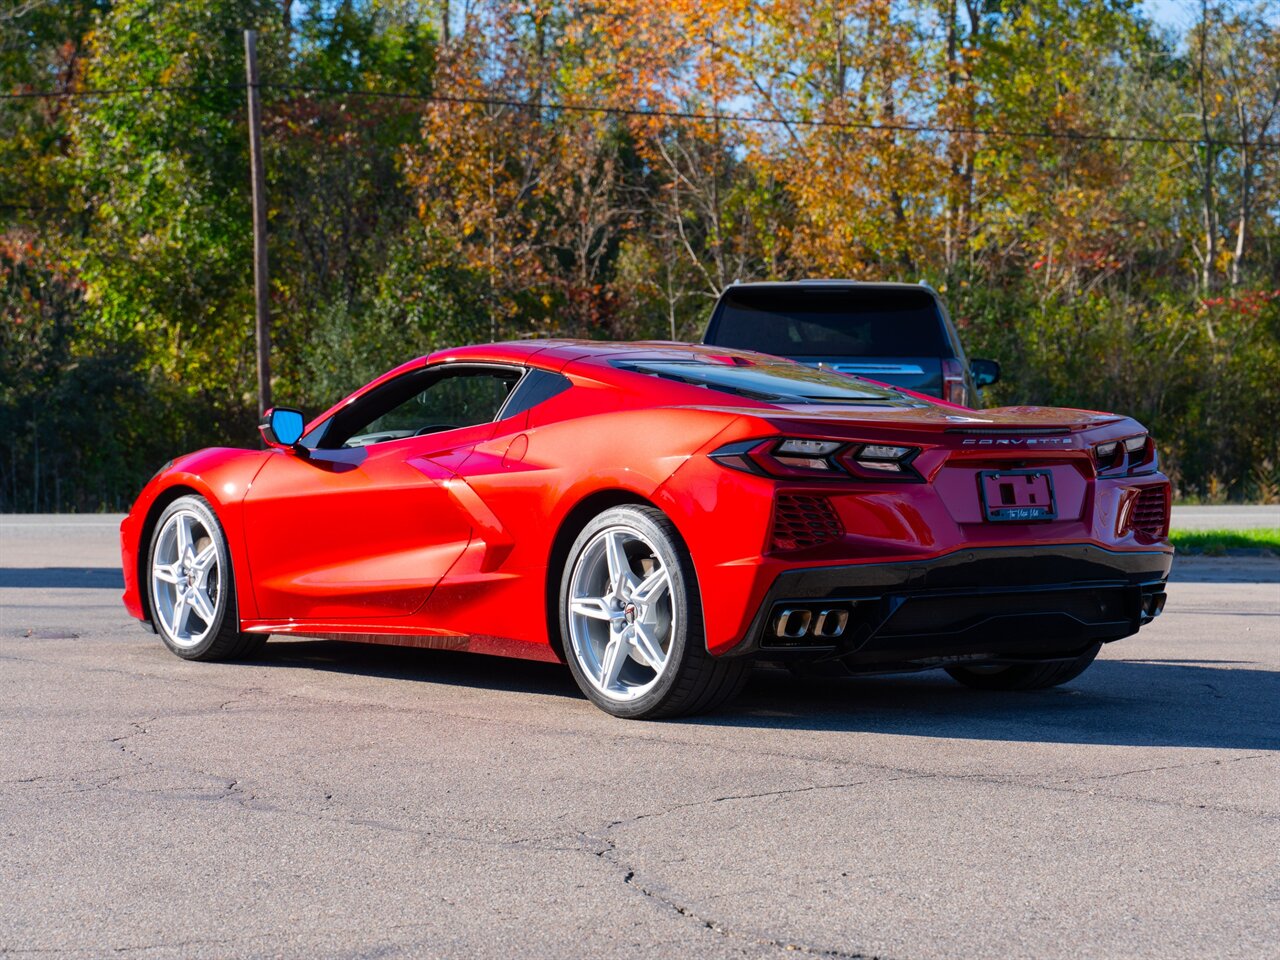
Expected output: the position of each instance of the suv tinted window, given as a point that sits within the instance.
(829, 322)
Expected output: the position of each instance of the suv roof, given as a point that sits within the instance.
(831, 282)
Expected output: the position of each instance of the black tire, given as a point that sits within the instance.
(221, 639)
(1025, 676)
(692, 680)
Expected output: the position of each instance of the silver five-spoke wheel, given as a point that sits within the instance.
(186, 579)
(191, 586)
(621, 611)
(631, 619)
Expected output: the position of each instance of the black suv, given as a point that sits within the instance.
(899, 333)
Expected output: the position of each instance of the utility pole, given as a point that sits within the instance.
(262, 333)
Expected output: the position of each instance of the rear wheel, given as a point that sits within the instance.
(1024, 676)
(631, 619)
(191, 587)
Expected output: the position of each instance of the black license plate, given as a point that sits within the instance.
(1017, 496)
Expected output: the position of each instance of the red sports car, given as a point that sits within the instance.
(659, 516)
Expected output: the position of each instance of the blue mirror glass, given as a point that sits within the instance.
(985, 372)
(287, 425)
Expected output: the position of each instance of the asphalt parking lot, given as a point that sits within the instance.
(341, 800)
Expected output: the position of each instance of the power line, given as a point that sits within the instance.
(661, 114)
(773, 121)
(116, 91)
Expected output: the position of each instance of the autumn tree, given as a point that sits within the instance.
(1096, 198)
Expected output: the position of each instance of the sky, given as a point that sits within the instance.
(1180, 14)
(1172, 13)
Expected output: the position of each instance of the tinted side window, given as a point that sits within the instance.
(537, 385)
(463, 399)
(424, 401)
(797, 322)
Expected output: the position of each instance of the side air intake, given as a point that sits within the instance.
(1149, 513)
(803, 521)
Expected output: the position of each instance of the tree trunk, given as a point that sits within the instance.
(951, 227)
(1208, 212)
(1245, 177)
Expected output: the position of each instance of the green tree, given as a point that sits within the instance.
(165, 189)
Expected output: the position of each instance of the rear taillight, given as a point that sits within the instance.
(805, 455)
(879, 460)
(953, 388)
(804, 458)
(1125, 455)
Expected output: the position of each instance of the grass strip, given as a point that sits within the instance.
(1218, 543)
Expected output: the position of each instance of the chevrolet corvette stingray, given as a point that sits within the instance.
(659, 516)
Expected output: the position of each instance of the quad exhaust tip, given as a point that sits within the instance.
(817, 622)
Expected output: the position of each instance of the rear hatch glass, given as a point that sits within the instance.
(830, 322)
(770, 381)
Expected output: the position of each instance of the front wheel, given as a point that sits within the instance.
(1024, 676)
(191, 588)
(631, 619)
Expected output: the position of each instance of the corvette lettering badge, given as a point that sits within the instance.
(1017, 442)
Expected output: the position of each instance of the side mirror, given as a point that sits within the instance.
(282, 427)
(985, 372)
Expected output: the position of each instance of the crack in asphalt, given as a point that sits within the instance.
(607, 851)
(763, 795)
(268, 935)
(1060, 786)
(824, 743)
(791, 946)
(254, 804)
(1171, 766)
(139, 730)
(602, 847)
(174, 946)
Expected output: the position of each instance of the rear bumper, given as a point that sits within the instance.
(989, 603)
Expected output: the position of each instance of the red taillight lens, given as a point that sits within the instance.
(805, 455)
(804, 458)
(1128, 454)
(953, 388)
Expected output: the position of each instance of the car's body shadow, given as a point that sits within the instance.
(74, 577)
(417, 664)
(1183, 703)
(1187, 703)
